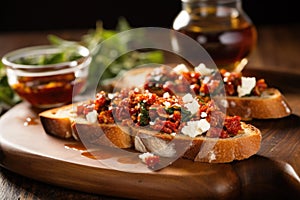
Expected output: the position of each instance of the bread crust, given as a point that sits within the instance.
(102, 134)
(61, 122)
(59, 126)
(270, 105)
(203, 149)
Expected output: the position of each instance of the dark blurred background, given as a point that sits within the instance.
(66, 14)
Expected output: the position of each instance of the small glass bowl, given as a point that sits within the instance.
(43, 77)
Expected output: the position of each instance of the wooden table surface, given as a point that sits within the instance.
(277, 50)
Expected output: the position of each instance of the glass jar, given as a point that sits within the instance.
(222, 28)
(47, 76)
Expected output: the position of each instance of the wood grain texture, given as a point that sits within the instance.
(273, 172)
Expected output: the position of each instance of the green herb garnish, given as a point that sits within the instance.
(8, 97)
(47, 59)
(118, 45)
(144, 114)
(91, 40)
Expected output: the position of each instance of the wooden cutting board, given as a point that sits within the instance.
(274, 172)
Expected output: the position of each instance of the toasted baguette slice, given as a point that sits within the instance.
(270, 105)
(64, 123)
(202, 149)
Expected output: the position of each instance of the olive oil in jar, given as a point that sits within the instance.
(221, 27)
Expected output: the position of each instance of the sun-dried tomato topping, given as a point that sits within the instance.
(217, 133)
(232, 125)
(105, 117)
(101, 101)
(260, 87)
(233, 79)
(158, 108)
(152, 161)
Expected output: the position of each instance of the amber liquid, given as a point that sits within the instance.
(228, 41)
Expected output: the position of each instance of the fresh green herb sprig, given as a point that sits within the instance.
(116, 46)
(91, 40)
(47, 59)
(8, 97)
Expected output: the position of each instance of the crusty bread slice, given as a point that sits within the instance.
(57, 121)
(270, 105)
(64, 123)
(202, 149)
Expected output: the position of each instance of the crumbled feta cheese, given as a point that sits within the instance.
(195, 128)
(248, 83)
(203, 115)
(190, 103)
(203, 125)
(187, 98)
(92, 116)
(166, 95)
(157, 77)
(167, 104)
(203, 70)
(144, 156)
(180, 68)
(111, 95)
(193, 107)
(173, 134)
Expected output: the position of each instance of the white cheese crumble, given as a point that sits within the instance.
(157, 78)
(166, 95)
(193, 107)
(203, 70)
(190, 103)
(187, 98)
(203, 115)
(92, 116)
(173, 134)
(111, 95)
(167, 104)
(180, 68)
(144, 156)
(195, 128)
(248, 83)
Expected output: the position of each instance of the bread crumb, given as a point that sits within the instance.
(211, 156)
